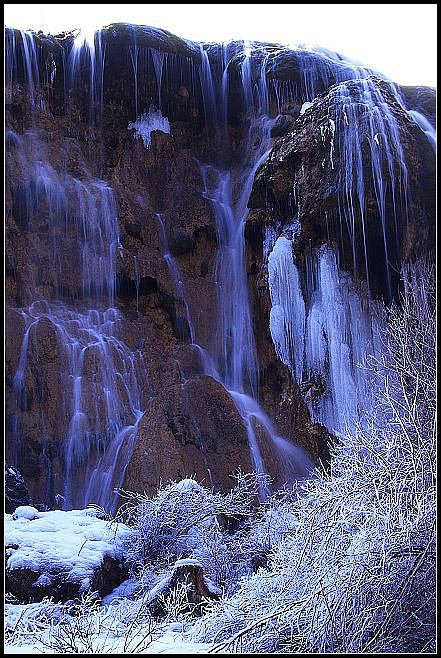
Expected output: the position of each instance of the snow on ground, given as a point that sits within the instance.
(36, 635)
(73, 542)
(166, 644)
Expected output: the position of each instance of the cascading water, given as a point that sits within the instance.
(181, 295)
(228, 191)
(100, 400)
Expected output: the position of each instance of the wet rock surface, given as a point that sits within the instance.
(304, 177)
(190, 424)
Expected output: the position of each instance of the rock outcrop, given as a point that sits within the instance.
(16, 492)
(312, 174)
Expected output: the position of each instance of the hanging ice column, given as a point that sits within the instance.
(324, 341)
(287, 316)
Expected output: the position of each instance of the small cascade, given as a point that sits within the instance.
(134, 56)
(89, 51)
(31, 65)
(209, 89)
(158, 63)
(21, 49)
(180, 292)
(99, 397)
(364, 116)
(425, 125)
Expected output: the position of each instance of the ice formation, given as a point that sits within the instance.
(146, 123)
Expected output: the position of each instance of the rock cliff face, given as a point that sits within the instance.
(95, 220)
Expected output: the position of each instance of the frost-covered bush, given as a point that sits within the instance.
(185, 519)
(83, 626)
(355, 571)
(23, 622)
(227, 557)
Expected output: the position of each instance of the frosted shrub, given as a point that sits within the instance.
(355, 572)
(224, 557)
(24, 621)
(83, 626)
(173, 522)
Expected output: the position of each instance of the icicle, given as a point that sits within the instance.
(287, 317)
(147, 123)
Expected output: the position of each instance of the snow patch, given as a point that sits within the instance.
(305, 107)
(187, 484)
(125, 590)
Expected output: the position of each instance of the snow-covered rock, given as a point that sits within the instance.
(190, 572)
(25, 512)
(61, 554)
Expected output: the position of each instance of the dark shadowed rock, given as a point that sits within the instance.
(16, 492)
(29, 586)
(182, 244)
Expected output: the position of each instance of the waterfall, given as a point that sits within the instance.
(99, 393)
(322, 324)
(228, 191)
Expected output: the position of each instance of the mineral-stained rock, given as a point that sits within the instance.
(190, 429)
(303, 176)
